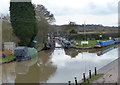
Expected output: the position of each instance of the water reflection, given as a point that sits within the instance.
(100, 51)
(105, 51)
(11, 70)
(68, 67)
(36, 70)
(23, 67)
(57, 66)
(72, 52)
(40, 71)
(8, 73)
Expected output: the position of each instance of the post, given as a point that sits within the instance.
(69, 82)
(95, 71)
(76, 80)
(84, 77)
(89, 73)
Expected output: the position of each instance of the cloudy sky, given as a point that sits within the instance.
(91, 11)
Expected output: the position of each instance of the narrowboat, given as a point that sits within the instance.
(47, 45)
(66, 44)
(24, 53)
(104, 43)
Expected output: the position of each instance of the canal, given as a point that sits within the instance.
(57, 66)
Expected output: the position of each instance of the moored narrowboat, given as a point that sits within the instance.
(104, 43)
(67, 44)
(24, 53)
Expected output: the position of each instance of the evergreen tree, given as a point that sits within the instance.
(23, 21)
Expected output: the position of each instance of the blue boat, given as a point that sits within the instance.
(105, 43)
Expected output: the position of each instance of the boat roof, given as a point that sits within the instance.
(9, 43)
(21, 47)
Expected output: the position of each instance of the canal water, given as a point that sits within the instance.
(57, 66)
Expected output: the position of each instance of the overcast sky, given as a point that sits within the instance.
(91, 11)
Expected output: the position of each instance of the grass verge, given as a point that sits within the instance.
(93, 77)
(41, 45)
(8, 58)
(91, 43)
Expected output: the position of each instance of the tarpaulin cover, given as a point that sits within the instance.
(25, 52)
(32, 52)
(21, 52)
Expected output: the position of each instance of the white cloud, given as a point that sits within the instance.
(91, 11)
(108, 20)
(4, 6)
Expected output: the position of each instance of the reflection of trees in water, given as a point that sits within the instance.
(40, 71)
(10, 70)
(96, 50)
(23, 67)
(74, 52)
(71, 52)
(8, 73)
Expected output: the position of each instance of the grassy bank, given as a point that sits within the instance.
(91, 43)
(8, 58)
(41, 45)
(93, 77)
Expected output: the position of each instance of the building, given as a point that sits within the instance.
(9, 46)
